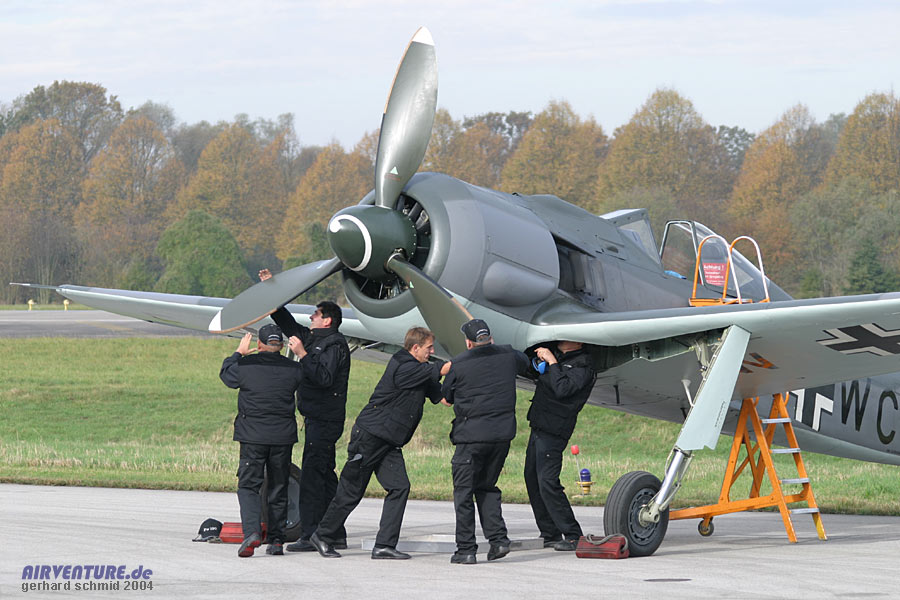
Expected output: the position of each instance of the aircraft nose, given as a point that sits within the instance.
(364, 237)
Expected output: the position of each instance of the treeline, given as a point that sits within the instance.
(97, 195)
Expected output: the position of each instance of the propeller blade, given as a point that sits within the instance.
(442, 312)
(408, 119)
(264, 298)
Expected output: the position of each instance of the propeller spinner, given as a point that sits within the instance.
(364, 237)
(375, 241)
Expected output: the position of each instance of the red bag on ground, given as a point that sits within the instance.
(233, 533)
(611, 546)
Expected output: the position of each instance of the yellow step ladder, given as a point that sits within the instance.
(758, 457)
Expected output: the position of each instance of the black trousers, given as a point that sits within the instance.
(318, 481)
(476, 468)
(551, 508)
(368, 454)
(256, 459)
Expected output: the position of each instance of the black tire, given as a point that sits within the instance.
(624, 502)
(706, 530)
(292, 531)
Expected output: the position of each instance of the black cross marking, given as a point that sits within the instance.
(858, 339)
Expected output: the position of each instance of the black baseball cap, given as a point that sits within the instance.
(476, 330)
(210, 529)
(271, 333)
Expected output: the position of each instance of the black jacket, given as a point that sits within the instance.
(395, 407)
(326, 369)
(561, 393)
(267, 382)
(481, 385)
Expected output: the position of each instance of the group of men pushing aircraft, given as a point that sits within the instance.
(480, 385)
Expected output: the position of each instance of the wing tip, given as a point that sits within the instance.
(215, 326)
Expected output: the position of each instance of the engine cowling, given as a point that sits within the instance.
(479, 243)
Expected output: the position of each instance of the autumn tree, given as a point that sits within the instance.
(280, 139)
(240, 183)
(130, 185)
(201, 257)
(440, 146)
(475, 154)
(559, 154)
(734, 142)
(477, 149)
(160, 115)
(510, 126)
(306, 158)
(869, 144)
(669, 148)
(82, 109)
(784, 163)
(833, 128)
(335, 180)
(189, 141)
(15, 252)
(40, 176)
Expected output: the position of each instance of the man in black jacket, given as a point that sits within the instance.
(382, 428)
(481, 386)
(561, 392)
(267, 430)
(321, 399)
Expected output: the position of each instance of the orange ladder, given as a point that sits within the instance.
(759, 458)
(695, 301)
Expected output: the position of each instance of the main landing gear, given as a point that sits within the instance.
(638, 504)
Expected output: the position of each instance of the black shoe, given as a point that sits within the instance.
(275, 549)
(549, 542)
(300, 546)
(389, 553)
(340, 544)
(565, 545)
(498, 551)
(324, 548)
(249, 544)
(463, 559)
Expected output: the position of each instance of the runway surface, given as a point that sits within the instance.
(81, 324)
(748, 556)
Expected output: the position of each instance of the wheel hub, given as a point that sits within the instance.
(640, 531)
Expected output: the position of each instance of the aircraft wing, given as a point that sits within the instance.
(188, 312)
(793, 344)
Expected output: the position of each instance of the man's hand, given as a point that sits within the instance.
(545, 355)
(446, 368)
(296, 346)
(445, 403)
(244, 347)
(265, 274)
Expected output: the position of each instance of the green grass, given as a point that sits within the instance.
(152, 413)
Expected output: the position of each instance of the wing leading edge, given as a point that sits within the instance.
(188, 312)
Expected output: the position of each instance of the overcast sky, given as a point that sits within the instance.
(331, 63)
